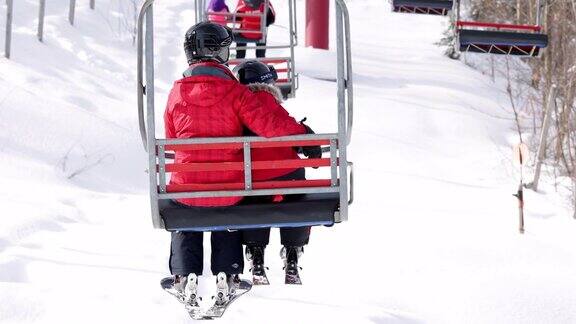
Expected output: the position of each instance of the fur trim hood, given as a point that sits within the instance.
(271, 89)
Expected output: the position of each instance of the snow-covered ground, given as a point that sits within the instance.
(432, 235)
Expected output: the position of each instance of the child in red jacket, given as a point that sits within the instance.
(260, 80)
(210, 102)
(253, 24)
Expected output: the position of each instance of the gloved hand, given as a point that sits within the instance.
(311, 152)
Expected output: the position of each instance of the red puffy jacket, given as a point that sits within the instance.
(271, 96)
(210, 102)
(253, 23)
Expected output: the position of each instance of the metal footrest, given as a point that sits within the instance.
(428, 7)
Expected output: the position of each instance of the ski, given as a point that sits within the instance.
(167, 285)
(217, 310)
(290, 256)
(192, 306)
(260, 279)
(292, 276)
(228, 292)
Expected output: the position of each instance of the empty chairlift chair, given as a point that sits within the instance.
(317, 201)
(503, 39)
(285, 65)
(428, 7)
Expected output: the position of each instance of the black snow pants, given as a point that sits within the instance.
(289, 236)
(187, 253)
(240, 54)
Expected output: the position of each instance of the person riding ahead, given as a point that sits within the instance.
(250, 27)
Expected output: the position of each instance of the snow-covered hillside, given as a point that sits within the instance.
(432, 234)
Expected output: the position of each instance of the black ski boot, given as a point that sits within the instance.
(255, 254)
(290, 254)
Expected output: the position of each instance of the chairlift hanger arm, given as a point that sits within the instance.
(140, 72)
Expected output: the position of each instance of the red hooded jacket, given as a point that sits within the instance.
(271, 96)
(253, 23)
(210, 102)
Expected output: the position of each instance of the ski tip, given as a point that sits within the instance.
(260, 281)
(293, 282)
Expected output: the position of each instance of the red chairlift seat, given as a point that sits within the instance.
(501, 39)
(428, 7)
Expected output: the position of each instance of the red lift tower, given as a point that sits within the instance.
(317, 23)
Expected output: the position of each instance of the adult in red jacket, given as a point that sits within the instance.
(253, 24)
(260, 79)
(209, 102)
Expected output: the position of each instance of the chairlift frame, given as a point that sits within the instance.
(498, 38)
(427, 7)
(289, 84)
(340, 184)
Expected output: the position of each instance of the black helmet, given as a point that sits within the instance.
(255, 72)
(208, 41)
(254, 3)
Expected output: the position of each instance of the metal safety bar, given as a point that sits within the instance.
(345, 75)
(539, 13)
(497, 26)
(145, 90)
(8, 38)
(246, 144)
(199, 7)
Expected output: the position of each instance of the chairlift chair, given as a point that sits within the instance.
(502, 39)
(320, 201)
(428, 7)
(233, 20)
(284, 65)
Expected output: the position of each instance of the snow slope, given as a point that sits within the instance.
(432, 235)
